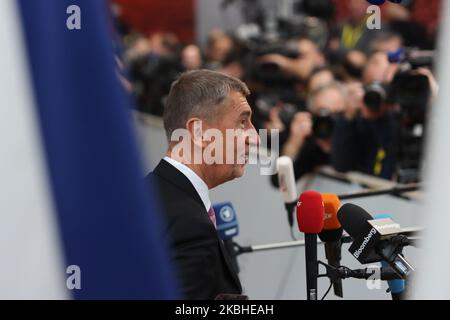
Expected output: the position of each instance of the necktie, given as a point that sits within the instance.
(212, 216)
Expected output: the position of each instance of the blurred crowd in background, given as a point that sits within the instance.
(340, 94)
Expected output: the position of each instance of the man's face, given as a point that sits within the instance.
(330, 100)
(320, 79)
(376, 68)
(357, 10)
(309, 58)
(191, 57)
(238, 133)
(220, 48)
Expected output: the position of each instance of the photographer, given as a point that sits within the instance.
(320, 77)
(191, 58)
(153, 65)
(309, 58)
(352, 33)
(382, 129)
(309, 141)
(364, 136)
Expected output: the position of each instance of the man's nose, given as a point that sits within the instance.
(252, 136)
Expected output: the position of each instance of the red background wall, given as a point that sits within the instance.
(160, 15)
(424, 11)
(178, 16)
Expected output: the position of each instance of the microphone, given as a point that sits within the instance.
(397, 287)
(331, 235)
(345, 273)
(286, 181)
(310, 213)
(374, 240)
(227, 228)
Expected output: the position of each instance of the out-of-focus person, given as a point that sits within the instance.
(219, 45)
(365, 135)
(232, 65)
(353, 33)
(309, 58)
(310, 134)
(387, 42)
(320, 77)
(352, 66)
(191, 57)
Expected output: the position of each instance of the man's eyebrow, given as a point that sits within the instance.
(246, 113)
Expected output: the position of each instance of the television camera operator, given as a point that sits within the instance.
(382, 128)
(310, 132)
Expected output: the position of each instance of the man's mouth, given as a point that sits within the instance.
(243, 159)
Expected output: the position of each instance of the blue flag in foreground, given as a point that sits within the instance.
(107, 217)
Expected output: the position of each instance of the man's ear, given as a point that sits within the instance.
(195, 128)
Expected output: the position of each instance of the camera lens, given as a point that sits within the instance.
(374, 96)
(323, 125)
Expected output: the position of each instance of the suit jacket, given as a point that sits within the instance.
(203, 266)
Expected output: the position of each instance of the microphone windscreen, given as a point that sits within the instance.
(331, 204)
(286, 179)
(310, 212)
(353, 219)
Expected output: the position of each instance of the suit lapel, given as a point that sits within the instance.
(168, 172)
(228, 263)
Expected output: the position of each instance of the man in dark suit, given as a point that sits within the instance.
(202, 104)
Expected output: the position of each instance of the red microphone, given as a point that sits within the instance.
(310, 212)
(310, 216)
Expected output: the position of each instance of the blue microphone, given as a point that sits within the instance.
(397, 287)
(227, 228)
(226, 220)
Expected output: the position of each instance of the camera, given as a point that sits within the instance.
(375, 95)
(409, 89)
(323, 125)
(152, 78)
(267, 73)
(323, 122)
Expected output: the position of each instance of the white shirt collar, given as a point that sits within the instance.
(199, 185)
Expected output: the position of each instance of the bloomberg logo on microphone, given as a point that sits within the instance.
(374, 13)
(367, 239)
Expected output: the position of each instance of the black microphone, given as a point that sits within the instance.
(374, 240)
(385, 273)
(310, 213)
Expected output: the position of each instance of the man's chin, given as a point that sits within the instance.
(239, 170)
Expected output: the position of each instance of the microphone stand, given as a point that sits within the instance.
(342, 272)
(409, 241)
(395, 191)
(280, 245)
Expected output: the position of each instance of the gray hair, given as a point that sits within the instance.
(329, 86)
(198, 93)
